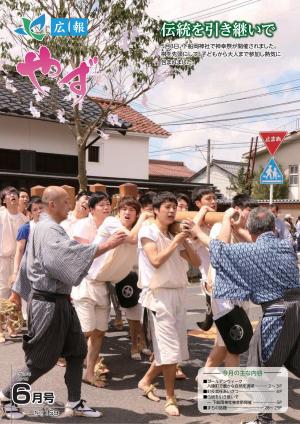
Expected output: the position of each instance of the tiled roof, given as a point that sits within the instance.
(18, 104)
(168, 168)
(140, 124)
(229, 166)
(226, 165)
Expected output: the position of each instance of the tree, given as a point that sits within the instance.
(262, 191)
(121, 34)
(240, 184)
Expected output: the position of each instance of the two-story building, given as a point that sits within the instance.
(42, 151)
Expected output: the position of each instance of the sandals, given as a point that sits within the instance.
(100, 368)
(180, 375)
(95, 383)
(149, 393)
(171, 407)
(146, 351)
(118, 324)
(136, 356)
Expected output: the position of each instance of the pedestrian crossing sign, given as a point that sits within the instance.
(271, 174)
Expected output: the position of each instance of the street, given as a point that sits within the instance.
(121, 401)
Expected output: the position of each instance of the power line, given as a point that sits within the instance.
(204, 10)
(227, 101)
(238, 118)
(224, 95)
(247, 122)
(197, 146)
(229, 113)
(229, 8)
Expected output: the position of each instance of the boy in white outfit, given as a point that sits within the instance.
(162, 276)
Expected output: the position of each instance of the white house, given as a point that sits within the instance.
(42, 150)
(220, 173)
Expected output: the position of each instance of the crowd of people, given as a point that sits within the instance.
(65, 268)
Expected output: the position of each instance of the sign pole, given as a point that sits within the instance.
(271, 193)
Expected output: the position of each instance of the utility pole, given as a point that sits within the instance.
(208, 161)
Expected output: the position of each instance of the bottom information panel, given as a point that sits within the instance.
(242, 390)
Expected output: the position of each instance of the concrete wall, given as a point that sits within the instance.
(124, 157)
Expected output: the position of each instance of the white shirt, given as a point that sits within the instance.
(146, 269)
(86, 229)
(69, 224)
(110, 225)
(203, 253)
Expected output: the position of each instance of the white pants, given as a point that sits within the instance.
(167, 316)
(92, 305)
(6, 270)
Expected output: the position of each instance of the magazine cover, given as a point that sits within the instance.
(149, 211)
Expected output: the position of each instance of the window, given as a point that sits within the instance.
(293, 175)
(9, 160)
(93, 154)
(56, 164)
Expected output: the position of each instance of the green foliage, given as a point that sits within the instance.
(262, 191)
(240, 183)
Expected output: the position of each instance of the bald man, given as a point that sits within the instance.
(53, 265)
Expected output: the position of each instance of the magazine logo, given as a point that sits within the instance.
(59, 27)
(29, 26)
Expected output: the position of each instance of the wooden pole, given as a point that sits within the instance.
(128, 189)
(210, 218)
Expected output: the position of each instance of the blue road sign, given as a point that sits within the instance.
(271, 174)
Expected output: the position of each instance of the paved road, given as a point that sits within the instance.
(121, 402)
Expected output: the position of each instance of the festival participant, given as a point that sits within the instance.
(281, 228)
(129, 210)
(80, 211)
(146, 201)
(35, 208)
(91, 297)
(24, 199)
(205, 197)
(85, 231)
(183, 202)
(10, 222)
(53, 265)
(266, 272)
(241, 203)
(163, 278)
